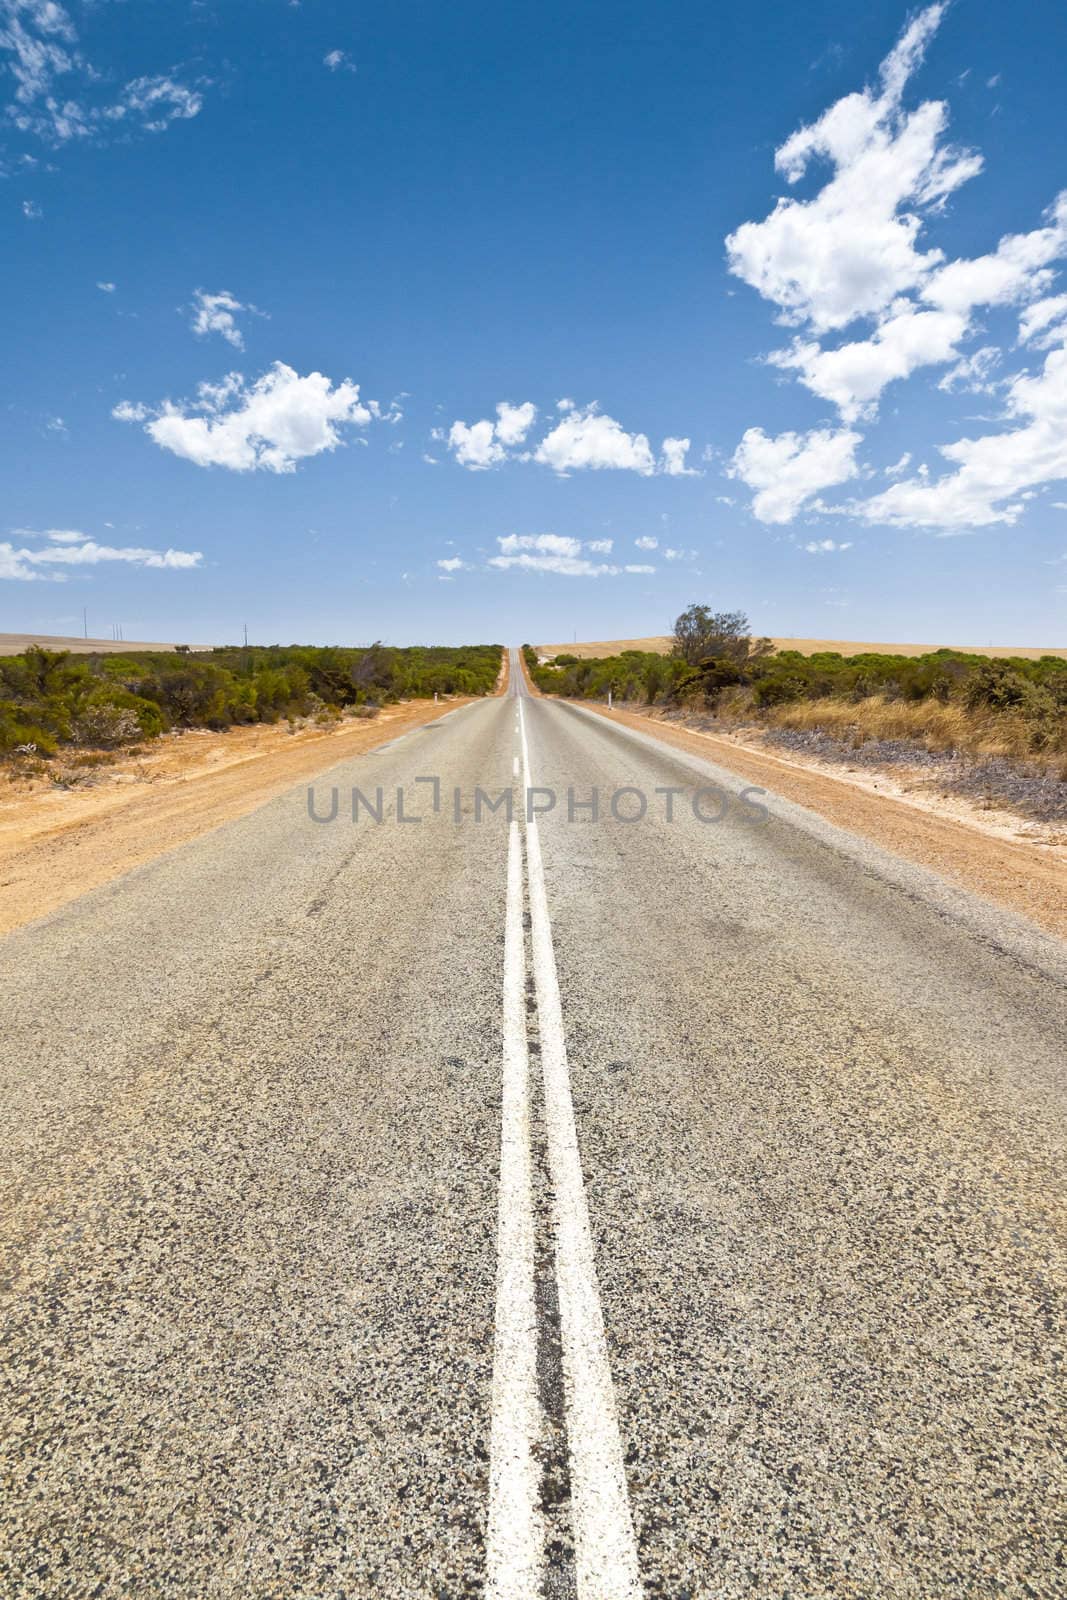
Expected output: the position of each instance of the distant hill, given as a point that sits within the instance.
(660, 644)
(13, 644)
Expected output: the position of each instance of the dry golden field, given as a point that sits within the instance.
(660, 644)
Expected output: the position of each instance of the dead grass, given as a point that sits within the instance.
(929, 724)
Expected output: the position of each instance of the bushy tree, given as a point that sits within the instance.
(701, 634)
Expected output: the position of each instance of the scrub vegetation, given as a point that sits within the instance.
(50, 699)
(946, 701)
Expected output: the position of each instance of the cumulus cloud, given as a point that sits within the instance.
(851, 250)
(514, 422)
(855, 251)
(557, 553)
(67, 547)
(818, 547)
(452, 564)
(581, 439)
(485, 444)
(31, 209)
(107, 288)
(338, 61)
(853, 375)
(268, 425)
(672, 461)
(215, 313)
(590, 440)
(1018, 269)
(647, 543)
(994, 473)
(791, 469)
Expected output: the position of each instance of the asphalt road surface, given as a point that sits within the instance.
(662, 1203)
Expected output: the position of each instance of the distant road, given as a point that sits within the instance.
(567, 1206)
(660, 644)
(13, 644)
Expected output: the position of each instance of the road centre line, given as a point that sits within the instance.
(605, 1549)
(515, 1537)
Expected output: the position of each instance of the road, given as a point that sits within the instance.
(573, 1205)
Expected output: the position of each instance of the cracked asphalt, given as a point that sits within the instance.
(251, 1106)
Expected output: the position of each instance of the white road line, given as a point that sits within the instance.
(515, 1538)
(514, 766)
(605, 1549)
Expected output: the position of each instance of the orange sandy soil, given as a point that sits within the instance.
(56, 843)
(659, 644)
(1003, 859)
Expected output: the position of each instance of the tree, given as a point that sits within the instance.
(701, 634)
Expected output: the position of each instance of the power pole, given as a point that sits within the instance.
(246, 635)
(85, 622)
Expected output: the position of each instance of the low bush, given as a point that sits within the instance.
(50, 698)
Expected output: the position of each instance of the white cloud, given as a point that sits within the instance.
(647, 544)
(41, 43)
(601, 547)
(127, 411)
(514, 422)
(214, 313)
(588, 439)
(673, 459)
(56, 425)
(788, 470)
(899, 466)
(338, 60)
(267, 425)
(853, 375)
(557, 553)
(973, 374)
(66, 547)
(851, 250)
(993, 473)
(158, 101)
(452, 564)
(31, 209)
(108, 288)
(485, 444)
(1016, 270)
(475, 446)
(1043, 322)
(817, 547)
(579, 440)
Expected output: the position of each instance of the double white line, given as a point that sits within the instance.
(605, 1551)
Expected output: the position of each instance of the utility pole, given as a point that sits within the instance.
(246, 635)
(85, 622)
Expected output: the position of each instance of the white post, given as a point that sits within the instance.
(609, 699)
(435, 697)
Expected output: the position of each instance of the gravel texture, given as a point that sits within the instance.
(251, 1102)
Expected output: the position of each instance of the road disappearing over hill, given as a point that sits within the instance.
(651, 1191)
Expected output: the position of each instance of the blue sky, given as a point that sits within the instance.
(461, 322)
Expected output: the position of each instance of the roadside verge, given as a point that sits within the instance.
(56, 844)
(1025, 877)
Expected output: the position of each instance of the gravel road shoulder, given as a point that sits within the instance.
(1028, 875)
(56, 843)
